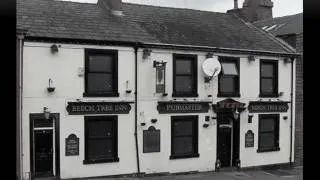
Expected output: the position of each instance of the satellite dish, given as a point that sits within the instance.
(211, 67)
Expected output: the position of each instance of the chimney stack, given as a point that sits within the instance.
(111, 5)
(235, 4)
(253, 10)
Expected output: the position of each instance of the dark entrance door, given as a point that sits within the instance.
(224, 144)
(43, 152)
(227, 139)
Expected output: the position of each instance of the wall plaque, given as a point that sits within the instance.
(72, 145)
(260, 106)
(151, 140)
(79, 108)
(166, 107)
(249, 139)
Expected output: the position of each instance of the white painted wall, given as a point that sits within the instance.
(62, 68)
(249, 90)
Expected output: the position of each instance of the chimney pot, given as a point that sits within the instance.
(235, 4)
(112, 5)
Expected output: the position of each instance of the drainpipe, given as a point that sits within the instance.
(20, 40)
(136, 104)
(291, 121)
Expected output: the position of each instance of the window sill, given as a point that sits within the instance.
(111, 94)
(228, 95)
(268, 149)
(100, 161)
(185, 95)
(184, 156)
(268, 95)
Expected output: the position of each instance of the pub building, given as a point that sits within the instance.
(103, 89)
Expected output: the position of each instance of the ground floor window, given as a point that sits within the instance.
(184, 137)
(101, 139)
(268, 132)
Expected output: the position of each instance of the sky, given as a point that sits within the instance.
(280, 7)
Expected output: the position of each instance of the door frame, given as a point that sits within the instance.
(56, 116)
(232, 140)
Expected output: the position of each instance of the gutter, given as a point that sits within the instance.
(20, 40)
(291, 121)
(136, 46)
(164, 46)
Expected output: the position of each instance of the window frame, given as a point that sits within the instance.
(275, 78)
(114, 120)
(276, 132)
(236, 93)
(195, 136)
(194, 75)
(114, 54)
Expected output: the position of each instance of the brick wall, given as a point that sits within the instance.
(299, 104)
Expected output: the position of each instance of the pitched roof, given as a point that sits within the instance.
(141, 23)
(292, 24)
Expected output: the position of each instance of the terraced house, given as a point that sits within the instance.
(290, 29)
(113, 88)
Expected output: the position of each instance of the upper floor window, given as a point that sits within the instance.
(268, 78)
(185, 75)
(229, 77)
(268, 132)
(101, 73)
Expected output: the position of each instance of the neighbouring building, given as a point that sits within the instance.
(114, 88)
(290, 29)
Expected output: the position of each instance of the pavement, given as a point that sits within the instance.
(271, 174)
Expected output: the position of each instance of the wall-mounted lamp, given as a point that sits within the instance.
(54, 48)
(205, 125)
(143, 124)
(50, 88)
(285, 117)
(127, 87)
(46, 112)
(250, 118)
(209, 55)
(146, 53)
(236, 114)
(287, 60)
(251, 58)
(80, 71)
(154, 120)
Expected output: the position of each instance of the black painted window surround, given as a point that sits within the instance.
(101, 73)
(101, 139)
(185, 75)
(229, 78)
(268, 139)
(268, 78)
(184, 137)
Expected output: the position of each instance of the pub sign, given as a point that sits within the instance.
(260, 106)
(80, 108)
(167, 107)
